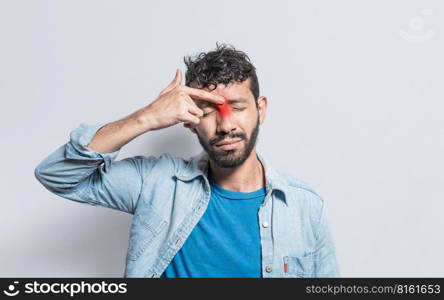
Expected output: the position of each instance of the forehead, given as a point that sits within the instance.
(232, 91)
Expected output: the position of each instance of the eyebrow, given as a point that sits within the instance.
(238, 100)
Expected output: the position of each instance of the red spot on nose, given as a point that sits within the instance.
(224, 109)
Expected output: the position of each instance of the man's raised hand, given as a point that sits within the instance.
(175, 104)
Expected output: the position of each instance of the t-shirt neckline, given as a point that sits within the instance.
(234, 195)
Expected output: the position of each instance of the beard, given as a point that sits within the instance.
(234, 157)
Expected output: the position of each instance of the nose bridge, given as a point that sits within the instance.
(225, 118)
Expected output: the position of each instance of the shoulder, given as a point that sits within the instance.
(301, 192)
(304, 198)
(295, 184)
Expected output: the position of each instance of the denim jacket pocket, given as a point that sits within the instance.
(299, 266)
(147, 224)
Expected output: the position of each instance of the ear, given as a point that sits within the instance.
(262, 103)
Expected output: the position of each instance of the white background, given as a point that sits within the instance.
(355, 94)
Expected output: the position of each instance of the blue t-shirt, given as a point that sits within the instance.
(226, 241)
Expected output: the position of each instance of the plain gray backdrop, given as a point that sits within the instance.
(355, 93)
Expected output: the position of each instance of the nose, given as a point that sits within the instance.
(225, 120)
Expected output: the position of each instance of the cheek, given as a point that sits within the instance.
(204, 128)
(249, 121)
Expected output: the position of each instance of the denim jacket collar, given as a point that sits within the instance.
(198, 166)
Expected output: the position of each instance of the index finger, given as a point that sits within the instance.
(203, 95)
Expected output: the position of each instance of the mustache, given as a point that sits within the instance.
(218, 139)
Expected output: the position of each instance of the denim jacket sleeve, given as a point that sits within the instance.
(75, 172)
(326, 260)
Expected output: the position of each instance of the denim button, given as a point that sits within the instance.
(268, 269)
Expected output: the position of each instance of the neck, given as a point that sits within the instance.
(247, 177)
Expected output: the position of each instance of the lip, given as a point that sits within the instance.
(228, 145)
(227, 142)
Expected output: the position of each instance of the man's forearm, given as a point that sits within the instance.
(115, 135)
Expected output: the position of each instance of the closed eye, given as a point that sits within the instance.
(207, 113)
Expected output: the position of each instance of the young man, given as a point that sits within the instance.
(223, 213)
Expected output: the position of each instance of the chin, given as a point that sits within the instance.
(229, 158)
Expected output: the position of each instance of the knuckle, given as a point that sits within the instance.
(181, 93)
(180, 115)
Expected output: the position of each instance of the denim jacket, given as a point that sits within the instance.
(167, 196)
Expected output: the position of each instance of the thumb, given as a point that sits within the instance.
(177, 80)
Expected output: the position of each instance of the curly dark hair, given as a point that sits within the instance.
(223, 65)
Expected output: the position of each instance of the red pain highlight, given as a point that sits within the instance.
(224, 110)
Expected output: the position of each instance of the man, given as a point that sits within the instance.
(223, 213)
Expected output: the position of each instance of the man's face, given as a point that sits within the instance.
(228, 132)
